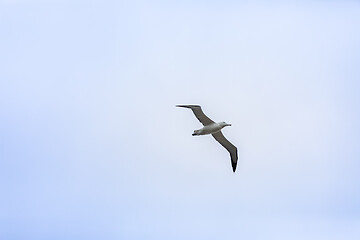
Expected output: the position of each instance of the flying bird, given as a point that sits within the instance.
(213, 128)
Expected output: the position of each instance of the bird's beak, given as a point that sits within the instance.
(228, 124)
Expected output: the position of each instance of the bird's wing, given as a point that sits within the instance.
(228, 145)
(198, 114)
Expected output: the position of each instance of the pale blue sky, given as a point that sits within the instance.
(92, 146)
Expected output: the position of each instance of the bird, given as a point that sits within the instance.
(213, 128)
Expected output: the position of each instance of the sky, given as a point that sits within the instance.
(93, 147)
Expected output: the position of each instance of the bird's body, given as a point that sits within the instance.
(213, 128)
(210, 129)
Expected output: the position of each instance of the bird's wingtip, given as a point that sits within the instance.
(187, 106)
(234, 167)
(184, 106)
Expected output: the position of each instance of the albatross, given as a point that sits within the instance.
(213, 128)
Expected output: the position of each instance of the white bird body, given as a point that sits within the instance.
(210, 129)
(213, 128)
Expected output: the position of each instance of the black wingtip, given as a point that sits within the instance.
(184, 106)
(187, 106)
(233, 166)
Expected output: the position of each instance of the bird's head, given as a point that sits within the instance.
(224, 124)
